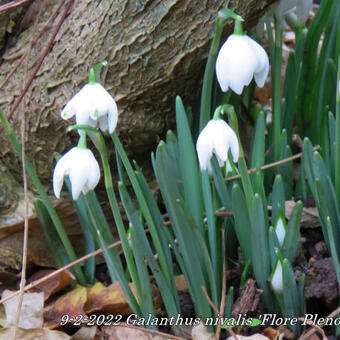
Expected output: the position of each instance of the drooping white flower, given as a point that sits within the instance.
(280, 230)
(216, 138)
(303, 8)
(92, 105)
(276, 279)
(239, 60)
(82, 168)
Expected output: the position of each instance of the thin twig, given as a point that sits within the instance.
(68, 6)
(308, 334)
(224, 286)
(316, 328)
(267, 166)
(26, 204)
(151, 331)
(47, 25)
(231, 332)
(272, 165)
(12, 5)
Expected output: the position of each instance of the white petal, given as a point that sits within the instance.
(235, 63)
(93, 172)
(78, 180)
(204, 146)
(276, 280)
(103, 123)
(280, 231)
(61, 169)
(221, 141)
(233, 143)
(58, 179)
(262, 69)
(113, 117)
(68, 111)
(303, 7)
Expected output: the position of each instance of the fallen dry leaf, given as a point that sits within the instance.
(8, 281)
(82, 301)
(271, 333)
(309, 217)
(107, 299)
(156, 296)
(31, 314)
(33, 334)
(71, 304)
(52, 285)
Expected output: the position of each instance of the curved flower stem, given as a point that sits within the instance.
(248, 189)
(209, 74)
(222, 17)
(48, 204)
(94, 72)
(276, 87)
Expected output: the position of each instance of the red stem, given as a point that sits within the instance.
(11, 5)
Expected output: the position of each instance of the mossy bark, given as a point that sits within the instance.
(155, 50)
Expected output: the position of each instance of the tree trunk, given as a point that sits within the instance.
(156, 49)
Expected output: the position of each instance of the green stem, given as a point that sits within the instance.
(94, 72)
(117, 216)
(49, 206)
(337, 137)
(82, 140)
(248, 189)
(238, 30)
(144, 207)
(276, 88)
(209, 74)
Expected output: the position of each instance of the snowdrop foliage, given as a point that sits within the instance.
(82, 168)
(217, 138)
(92, 105)
(239, 60)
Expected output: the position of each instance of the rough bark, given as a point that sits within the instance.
(155, 50)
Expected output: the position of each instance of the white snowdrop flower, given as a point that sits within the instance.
(82, 168)
(92, 105)
(303, 8)
(280, 230)
(216, 138)
(239, 60)
(276, 280)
